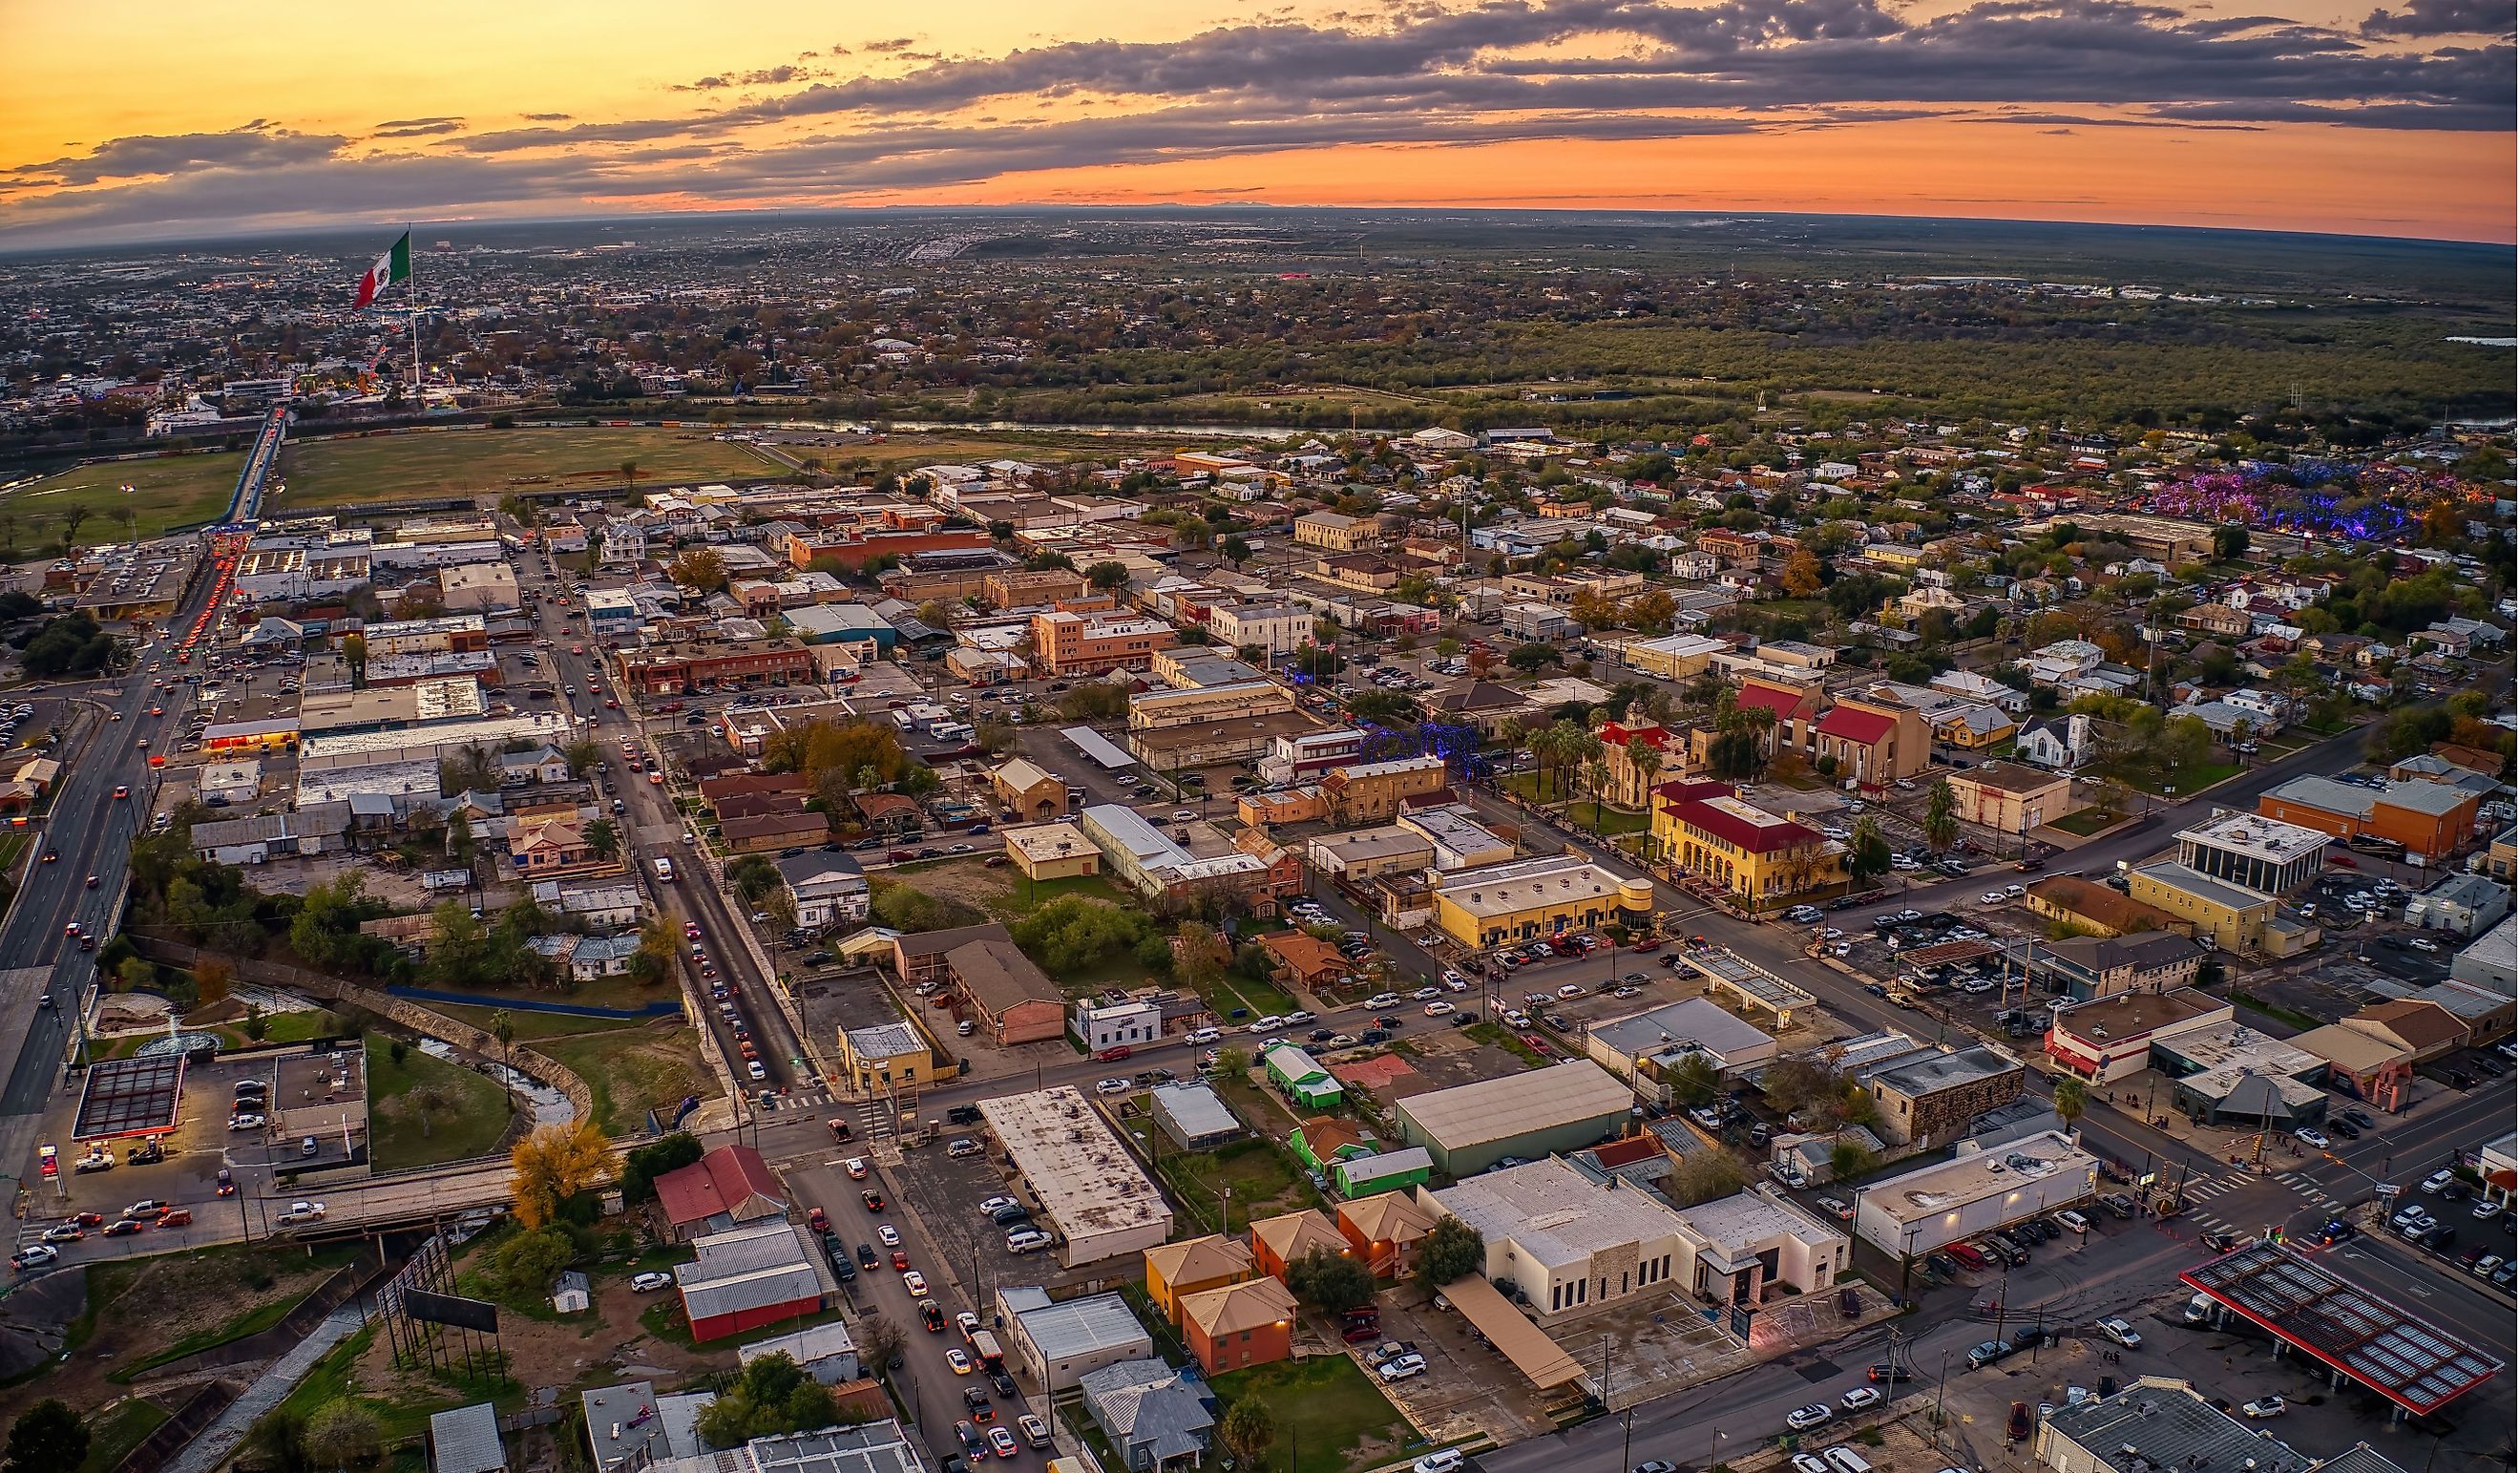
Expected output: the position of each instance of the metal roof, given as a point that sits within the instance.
(1083, 1327)
(1091, 742)
(2409, 1361)
(130, 1096)
(1515, 1104)
(2164, 1424)
(466, 1439)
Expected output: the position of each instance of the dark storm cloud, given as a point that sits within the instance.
(2442, 18)
(417, 127)
(255, 146)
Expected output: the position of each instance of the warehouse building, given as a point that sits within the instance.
(1469, 1127)
(1090, 1190)
(1644, 1048)
(1057, 1340)
(748, 1278)
(1920, 1211)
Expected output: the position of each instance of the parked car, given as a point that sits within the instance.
(1805, 1418)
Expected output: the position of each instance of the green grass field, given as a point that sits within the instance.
(475, 1117)
(166, 492)
(1329, 1416)
(630, 1073)
(113, 1435)
(462, 463)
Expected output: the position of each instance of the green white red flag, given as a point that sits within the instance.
(391, 267)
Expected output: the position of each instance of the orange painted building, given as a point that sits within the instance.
(1241, 1325)
(1066, 643)
(2431, 819)
(854, 549)
(1279, 1243)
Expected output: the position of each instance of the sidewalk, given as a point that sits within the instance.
(206, 1452)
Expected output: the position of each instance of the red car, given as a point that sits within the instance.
(900, 1261)
(819, 1220)
(1113, 1055)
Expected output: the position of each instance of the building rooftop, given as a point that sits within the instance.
(466, 1439)
(1555, 1215)
(1746, 1218)
(1087, 1183)
(1196, 1108)
(2269, 839)
(1513, 1104)
(1528, 884)
(1692, 1020)
(2409, 1361)
(2012, 778)
(2164, 1424)
(2171, 875)
(1947, 1185)
(2134, 1014)
(1940, 1071)
(1067, 1328)
(868, 1448)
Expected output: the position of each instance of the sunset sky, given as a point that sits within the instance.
(207, 120)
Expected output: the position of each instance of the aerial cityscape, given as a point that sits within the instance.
(756, 773)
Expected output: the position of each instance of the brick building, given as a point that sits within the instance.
(680, 669)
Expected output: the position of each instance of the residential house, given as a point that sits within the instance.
(2424, 1030)
(825, 889)
(1154, 1418)
(1175, 1269)
(1277, 1243)
(727, 1187)
(1238, 1325)
(1385, 1232)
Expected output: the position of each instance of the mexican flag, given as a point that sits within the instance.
(391, 267)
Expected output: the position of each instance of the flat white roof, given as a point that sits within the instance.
(1949, 1185)
(1087, 1182)
(2247, 833)
(1504, 889)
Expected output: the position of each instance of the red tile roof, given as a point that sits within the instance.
(1769, 697)
(1618, 734)
(1687, 802)
(1853, 724)
(733, 1180)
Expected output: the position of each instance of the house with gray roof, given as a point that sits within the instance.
(630, 1423)
(1155, 1417)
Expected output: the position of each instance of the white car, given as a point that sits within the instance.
(1444, 1461)
(1200, 1037)
(2438, 1179)
(2121, 1332)
(1861, 1398)
(1296, 1019)
(961, 1362)
(1805, 1418)
(2016, 892)
(1382, 1000)
(651, 1283)
(2262, 1406)
(1571, 990)
(1401, 1370)
(2422, 945)
(1426, 994)
(1111, 1086)
(1270, 1024)
(2310, 1136)
(1438, 1008)
(887, 1234)
(34, 1256)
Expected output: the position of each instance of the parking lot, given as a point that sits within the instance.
(948, 1190)
(2438, 1220)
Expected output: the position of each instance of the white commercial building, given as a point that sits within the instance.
(1090, 1190)
(1569, 1243)
(1924, 1209)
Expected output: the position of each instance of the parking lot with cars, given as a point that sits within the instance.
(2460, 1232)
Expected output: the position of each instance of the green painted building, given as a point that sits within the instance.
(1301, 1078)
(1392, 1171)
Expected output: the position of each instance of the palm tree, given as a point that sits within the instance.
(1596, 777)
(504, 1029)
(2072, 1101)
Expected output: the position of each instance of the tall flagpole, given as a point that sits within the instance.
(410, 301)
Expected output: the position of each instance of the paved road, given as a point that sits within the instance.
(933, 1390)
